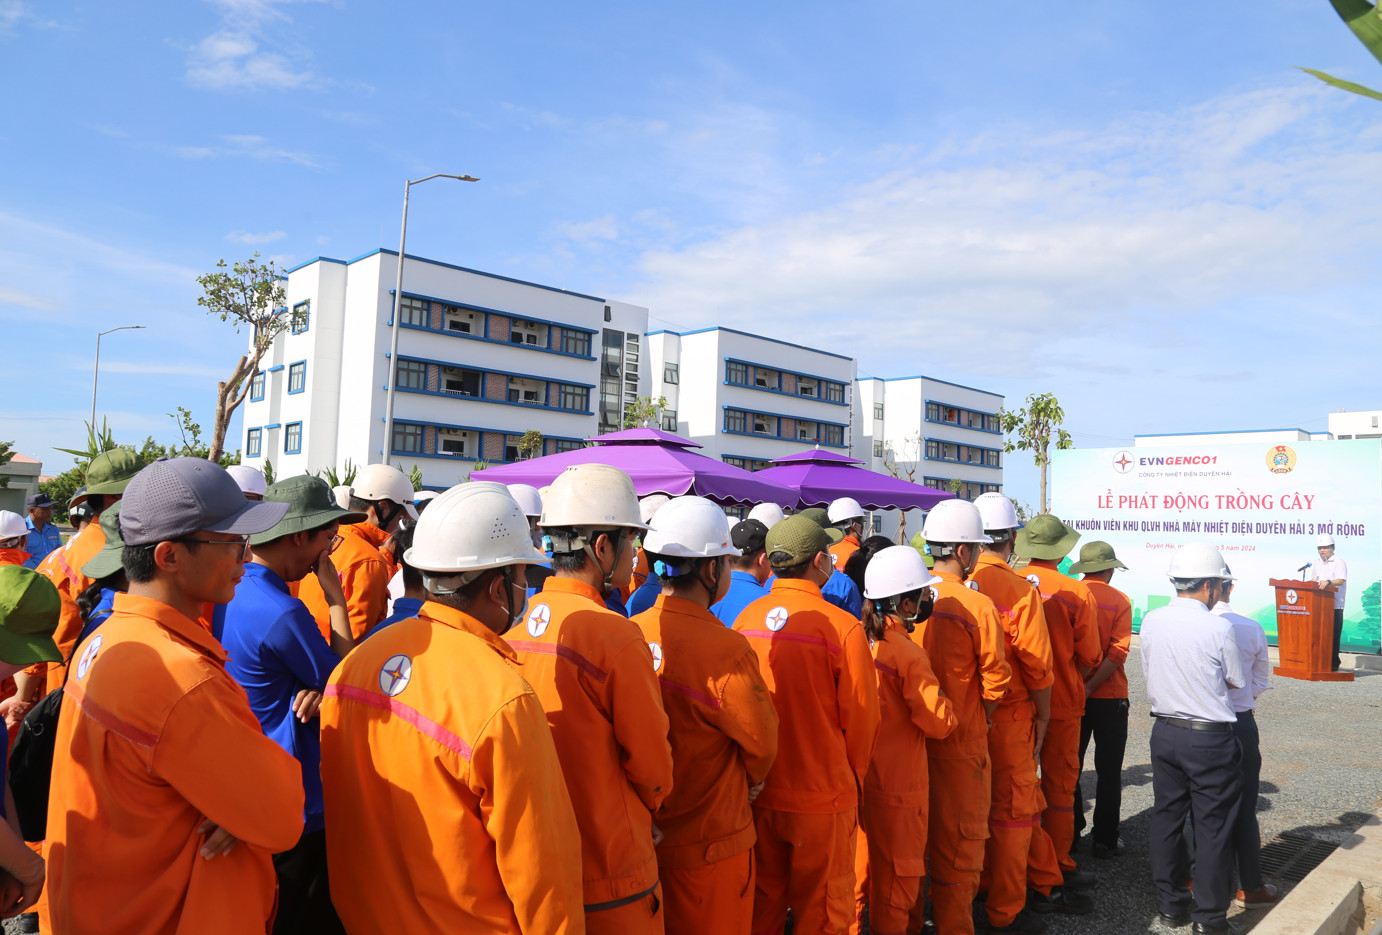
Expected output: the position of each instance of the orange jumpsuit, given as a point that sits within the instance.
(593, 672)
(443, 793)
(894, 806)
(1072, 619)
(724, 739)
(640, 574)
(64, 568)
(816, 661)
(1015, 815)
(842, 550)
(965, 643)
(1115, 635)
(155, 736)
(365, 572)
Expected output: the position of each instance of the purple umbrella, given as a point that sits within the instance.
(658, 462)
(821, 476)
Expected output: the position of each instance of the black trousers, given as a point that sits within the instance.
(1247, 837)
(1106, 721)
(1338, 634)
(304, 898)
(1195, 773)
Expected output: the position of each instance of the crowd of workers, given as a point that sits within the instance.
(289, 708)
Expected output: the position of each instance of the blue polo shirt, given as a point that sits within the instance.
(841, 591)
(404, 608)
(744, 589)
(40, 542)
(644, 596)
(275, 652)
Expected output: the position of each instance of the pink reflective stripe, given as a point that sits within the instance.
(62, 560)
(965, 622)
(1005, 611)
(1113, 607)
(561, 652)
(425, 725)
(1062, 600)
(106, 718)
(886, 669)
(792, 638)
(693, 693)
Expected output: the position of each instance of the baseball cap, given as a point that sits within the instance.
(821, 518)
(107, 561)
(110, 471)
(250, 480)
(38, 501)
(748, 536)
(29, 609)
(174, 497)
(799, 536)
(309, 507)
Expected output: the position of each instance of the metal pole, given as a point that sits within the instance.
(95, 375)
(393, 340)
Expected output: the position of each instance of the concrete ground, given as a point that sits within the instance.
(1319, 776)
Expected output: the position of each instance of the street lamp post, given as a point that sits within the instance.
(96, 372)
(397, 305)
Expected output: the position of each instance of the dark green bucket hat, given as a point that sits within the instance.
(1096, 556)
(107, 561)
(29, 610)
(310, 506)
(1046, 537)
(110, 471)
(799, 537)
(821, 517)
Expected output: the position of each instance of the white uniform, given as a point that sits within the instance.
(1190, 662)
(1329, 571)
(1252, 646)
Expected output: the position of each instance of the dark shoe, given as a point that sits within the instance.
(1024, 924)
(1179, 920)
(1224, 928)
(1104, 853)
(1258, 899)
(1080, 880)
(1061, 900)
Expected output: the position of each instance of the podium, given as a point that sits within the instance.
(1305, 631)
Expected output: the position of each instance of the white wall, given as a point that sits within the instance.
(1356, 424)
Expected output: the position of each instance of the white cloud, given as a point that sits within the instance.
(589, 233)
(37, 303)
(248, 146)
(245, 237)
(234, 57)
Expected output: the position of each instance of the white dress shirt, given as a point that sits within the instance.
(1252, 647)
(1190, 662)
(1333, 569)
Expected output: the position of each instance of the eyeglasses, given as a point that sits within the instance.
(243, 542)
(335, 544)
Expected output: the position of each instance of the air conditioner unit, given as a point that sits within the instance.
(458, 325)
(531, 338)
(761, 381)
(530, 396)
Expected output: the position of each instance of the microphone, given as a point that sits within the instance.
(1302, 569)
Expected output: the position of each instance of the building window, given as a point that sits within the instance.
(933, 450)
(992, 458)
(297, 377)
(302, 317)
(257, 387)
(834, 392)
(292, 438)
(878, 412)
(407, 438)
(412, 375)
(669, 420)
(575, 397)
(459, 382)
(832, 434)
(766, 379)
(511, 452)
(453, 442)
(575, 342)
(254, 441)
(608, 315)
(529, 392)
(736, 420)
(737, 373)
(566, 444)
(933, 412)
(732, 461)
(416, 312)
(763, 425)
(462, 321)
(878, 449)
(671, 373)
(528, 333)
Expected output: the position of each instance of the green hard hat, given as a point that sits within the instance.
(29, 610)
(799, 537)
(110, 471)
(1096, 556)
(1046, 537)
(310, 506)
(821, 518)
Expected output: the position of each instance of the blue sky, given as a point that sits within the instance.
(1140, 207)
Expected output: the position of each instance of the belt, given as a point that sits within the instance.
(1221, 727)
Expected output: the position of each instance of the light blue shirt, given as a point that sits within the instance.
(40, 542)
(1252, 646)
(1190, 662)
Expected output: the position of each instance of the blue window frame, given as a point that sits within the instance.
(302, 317)
(257, 387)
(292, 438)
(254, 443)
(297, 377)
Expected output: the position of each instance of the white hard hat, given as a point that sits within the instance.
(996, 511)
(843, 509)
(385, 482)
(594, 495)
(898, 569)
(422, 496)
(12, 525)
(649, 505)
(341, 494)
(249, 480)
(954, 521)
(689, 527)
(472, 527)
(1198, 560)
(528, 498)
(1324, 539)
(769, 514)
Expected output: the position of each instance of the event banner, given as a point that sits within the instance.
(1262, 504)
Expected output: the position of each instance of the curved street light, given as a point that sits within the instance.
(96, 373)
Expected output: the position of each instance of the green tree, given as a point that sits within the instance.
(190, 443)
(268, 471)
(1372, 605)
(903, 469)
(6, 454)
(96, 442)
(1034, 428)
(530, 445)
(955, 485)
(1366, 22)
(340, 478)
(415, 478)
(62, 488)
(644, 412)
(249, 296)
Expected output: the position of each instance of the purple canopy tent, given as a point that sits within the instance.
(658, 462)
(821, 476)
